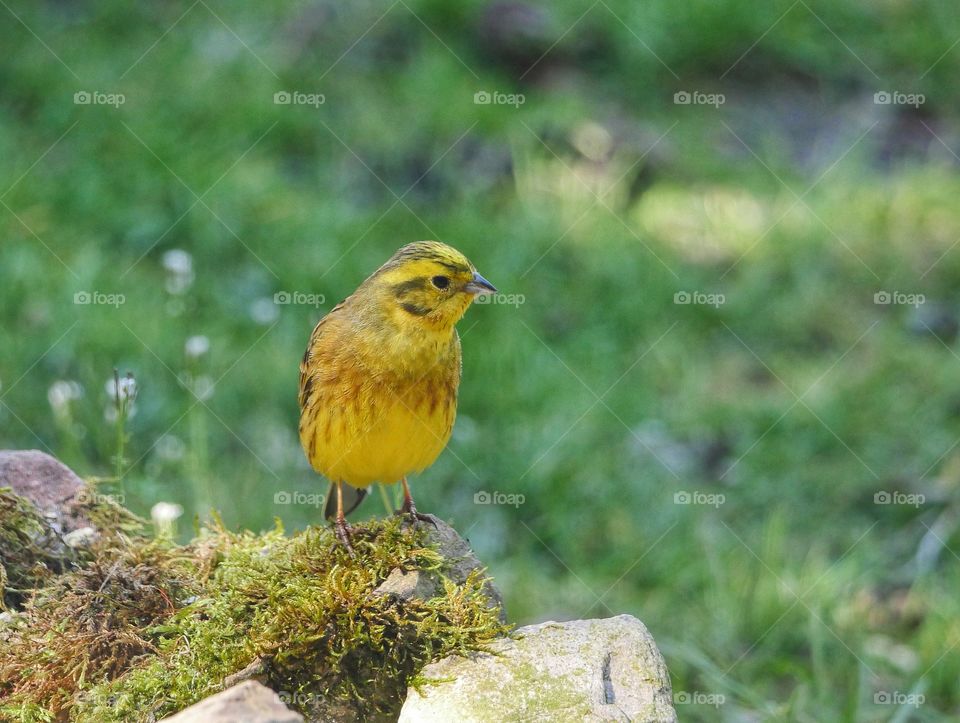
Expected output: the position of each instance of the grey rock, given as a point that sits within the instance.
(248, 702)
(54, 489)
(257, 670)
(81, 537)
(47, 496)
(460, 562)
(405, 586)
(584, 670)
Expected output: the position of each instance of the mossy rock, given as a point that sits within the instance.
(49, 518)
(145, 628)
(31, 552)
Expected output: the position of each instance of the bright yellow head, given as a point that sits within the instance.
(428, 282)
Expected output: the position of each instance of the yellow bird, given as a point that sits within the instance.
(379, 379)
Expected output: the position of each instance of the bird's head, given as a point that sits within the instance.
(430, 283)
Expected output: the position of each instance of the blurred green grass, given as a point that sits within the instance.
(599, 399)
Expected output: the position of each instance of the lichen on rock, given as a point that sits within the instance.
(583, 670)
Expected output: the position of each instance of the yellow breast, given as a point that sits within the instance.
(365, 419)
(378, 431)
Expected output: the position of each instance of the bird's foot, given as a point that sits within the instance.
(342, 530)
(410, 514)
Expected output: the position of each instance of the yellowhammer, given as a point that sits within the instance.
(379, 379)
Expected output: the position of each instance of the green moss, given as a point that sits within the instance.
(89, 625)
(173, 622)
(105, 514)
(30, 551)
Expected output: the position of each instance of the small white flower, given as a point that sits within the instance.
(165, 512)
(178, 261)
(196, 346)
(61, 393)
(179, 264)
(127, 386)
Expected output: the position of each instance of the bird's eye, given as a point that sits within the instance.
(441, 282)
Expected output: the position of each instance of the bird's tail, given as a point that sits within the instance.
(352, 497)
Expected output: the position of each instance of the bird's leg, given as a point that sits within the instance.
(409, 508)
(340, 525)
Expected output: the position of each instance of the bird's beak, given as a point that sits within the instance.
(479, 285)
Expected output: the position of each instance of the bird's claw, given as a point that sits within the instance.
(342, 530)
(410, 515)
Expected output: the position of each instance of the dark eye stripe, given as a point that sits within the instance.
(415, 309)
(405, 287)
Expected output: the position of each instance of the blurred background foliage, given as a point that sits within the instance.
(598, 199)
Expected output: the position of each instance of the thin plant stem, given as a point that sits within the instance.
(386, 498)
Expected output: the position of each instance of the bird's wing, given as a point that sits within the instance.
(352, 497)
(305, 375)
